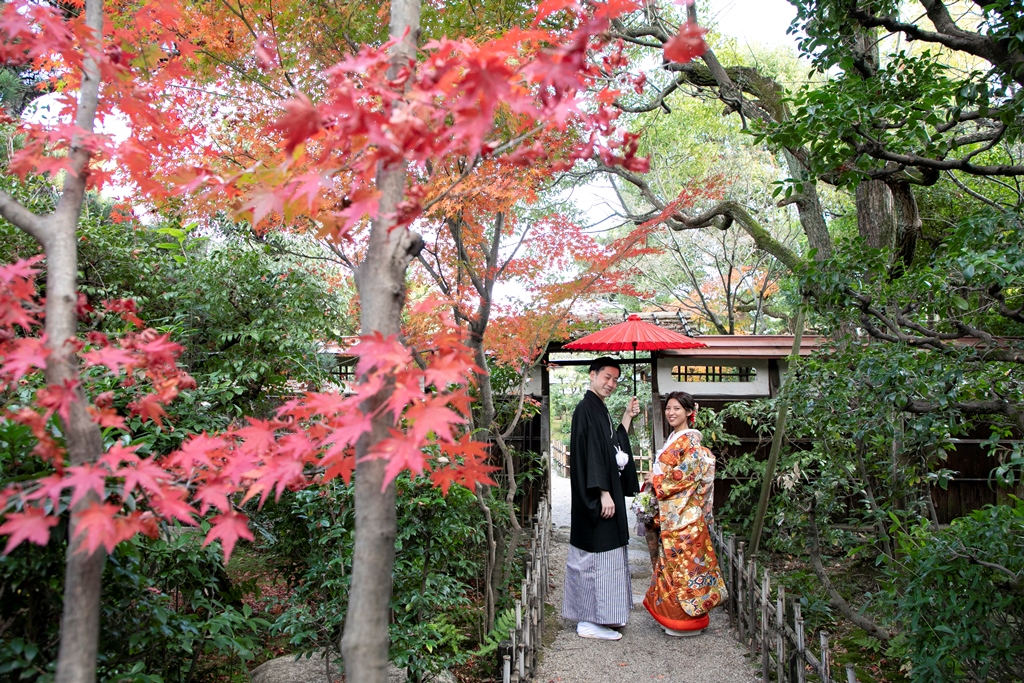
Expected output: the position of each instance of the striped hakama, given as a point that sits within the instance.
(597, 586)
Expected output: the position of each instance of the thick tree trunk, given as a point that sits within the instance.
(380, 280)
(809, 211)
(908, 224)
(875, 218)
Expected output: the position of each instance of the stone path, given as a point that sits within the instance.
(645, 653)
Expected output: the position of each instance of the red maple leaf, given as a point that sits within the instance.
(149, 407)
(215, 494)
(126, 308)
(23, 356)
(686, 45)
(21, 270)
(337, 461)
(266, 53)
(259, 437)
(406, 389)
(434, 416)
(85, 479)
(117, 455)
(276, 475)
(107, 417)
(401, 453)
(31, 525)
(377, 353)
(111, 357)
(300, 122)
(145, 474)
(58, 398)
(228, 528)
(327, 404)
(197, 451)
(96, 527)
(467, 466)
(13, 313)
(263, 203)
(449, 368)
(49, 487)
(613, 9)
(171, 504)
(350, 429)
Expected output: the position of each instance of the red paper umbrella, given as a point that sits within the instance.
(636, 335)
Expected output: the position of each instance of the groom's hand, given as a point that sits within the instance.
(607, 505)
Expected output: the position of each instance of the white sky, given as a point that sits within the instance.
(754, 21)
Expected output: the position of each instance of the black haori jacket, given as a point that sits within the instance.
(592, 469)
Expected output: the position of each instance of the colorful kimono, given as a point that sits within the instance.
(687, 582)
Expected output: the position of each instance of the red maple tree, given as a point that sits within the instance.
(362, 149)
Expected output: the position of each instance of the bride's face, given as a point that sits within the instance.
(676, 415)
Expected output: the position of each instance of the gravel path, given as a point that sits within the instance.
(645, 653)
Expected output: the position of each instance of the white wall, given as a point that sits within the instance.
(755, 389)
(534, 383)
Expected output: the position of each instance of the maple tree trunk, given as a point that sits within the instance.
(57, 234)
(380, 281)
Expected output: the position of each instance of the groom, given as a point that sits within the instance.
(598, 594)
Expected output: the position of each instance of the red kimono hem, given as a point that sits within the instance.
(692, 624)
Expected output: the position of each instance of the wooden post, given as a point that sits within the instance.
(798, 623)
(740, 598)
(773, 456)
(851, 675)
(826, 667)
(752, 605)
(766, 591)
(505, 657)
(657, 425)
(733, 593)
(780, 635)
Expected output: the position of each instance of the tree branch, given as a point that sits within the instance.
(20, 217)
(834, 598)
(657, 103)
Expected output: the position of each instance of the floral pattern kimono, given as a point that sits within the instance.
(686, 583)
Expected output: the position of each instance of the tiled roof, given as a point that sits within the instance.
(748, 346)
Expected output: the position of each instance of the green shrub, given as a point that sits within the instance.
(438, 562)
(958, 596)
(169, 612)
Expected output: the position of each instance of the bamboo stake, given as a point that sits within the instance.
(752, 605)
(851, 675)
(732, 578)
(780, 635)
(826, 669)
(740, 598)
(798, 623)
(773, 456)
(765, 594)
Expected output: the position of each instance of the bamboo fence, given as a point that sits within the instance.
(772, 630)
(560, 458)
(517, 656)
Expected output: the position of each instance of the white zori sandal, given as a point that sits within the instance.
(587, 629)
(683, 634)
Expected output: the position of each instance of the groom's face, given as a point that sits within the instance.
(604, 381)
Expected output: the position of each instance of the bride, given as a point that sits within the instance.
(686, 583)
